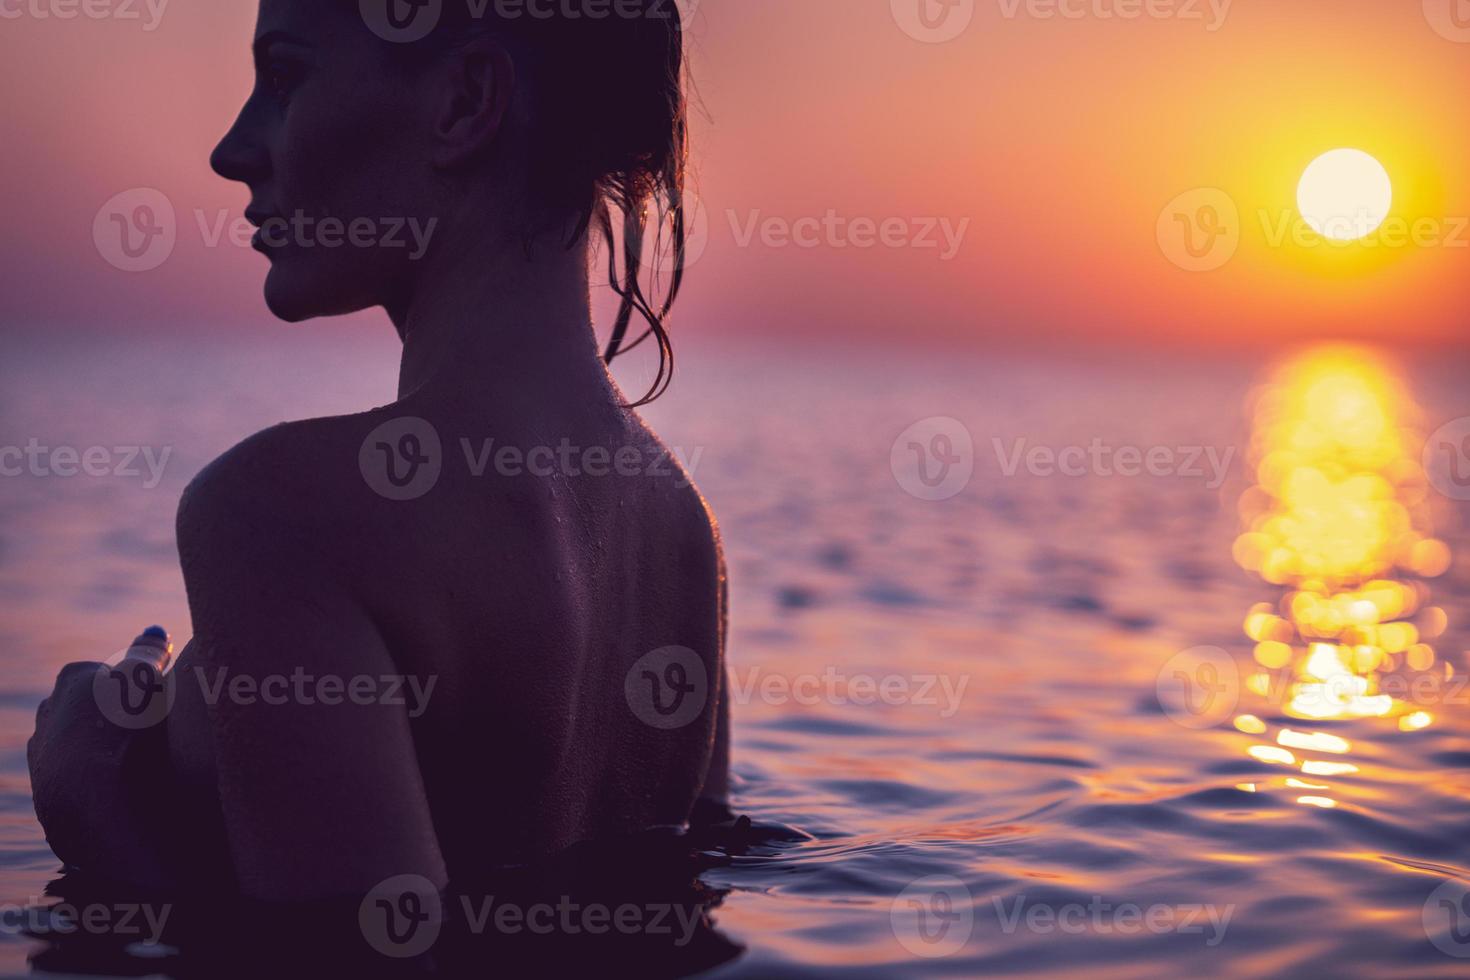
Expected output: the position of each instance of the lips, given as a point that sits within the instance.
(259, 219)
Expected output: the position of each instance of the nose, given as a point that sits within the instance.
(240, 154)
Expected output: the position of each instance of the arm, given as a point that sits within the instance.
(320, 800)
(713, 805)
(717, 781)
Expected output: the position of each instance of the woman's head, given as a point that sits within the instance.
(385, 135)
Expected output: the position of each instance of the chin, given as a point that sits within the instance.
(294, 298)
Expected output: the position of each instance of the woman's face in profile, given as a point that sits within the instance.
(330, 143)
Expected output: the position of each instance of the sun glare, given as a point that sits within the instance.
(1345, 195)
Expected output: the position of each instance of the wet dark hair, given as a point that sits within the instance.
(610, 144)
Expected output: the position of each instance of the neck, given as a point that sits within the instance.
(489, 324)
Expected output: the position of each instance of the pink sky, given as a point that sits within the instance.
(1046, 146)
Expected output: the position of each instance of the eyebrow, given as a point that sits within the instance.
(265, 40)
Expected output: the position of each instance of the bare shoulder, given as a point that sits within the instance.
(703, 527)
(265, 549)
(692, 546)
(289, 469)
(291, 491)
(670, 480)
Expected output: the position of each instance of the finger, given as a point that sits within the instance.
(157, 659)
(152, 647)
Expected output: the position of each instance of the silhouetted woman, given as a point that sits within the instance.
(507, 535)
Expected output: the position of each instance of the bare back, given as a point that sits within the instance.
(555, 602)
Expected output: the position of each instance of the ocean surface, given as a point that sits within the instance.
(1009, 707)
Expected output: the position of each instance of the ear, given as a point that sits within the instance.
(478, 85)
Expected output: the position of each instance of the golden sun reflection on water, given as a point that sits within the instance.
(1341, 520)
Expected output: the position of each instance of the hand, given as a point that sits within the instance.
(94, 783)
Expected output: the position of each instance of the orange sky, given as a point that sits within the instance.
(1053, 143)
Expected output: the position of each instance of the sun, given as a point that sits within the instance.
(1345, 195)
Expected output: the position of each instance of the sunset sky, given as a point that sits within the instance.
(1050, 145)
